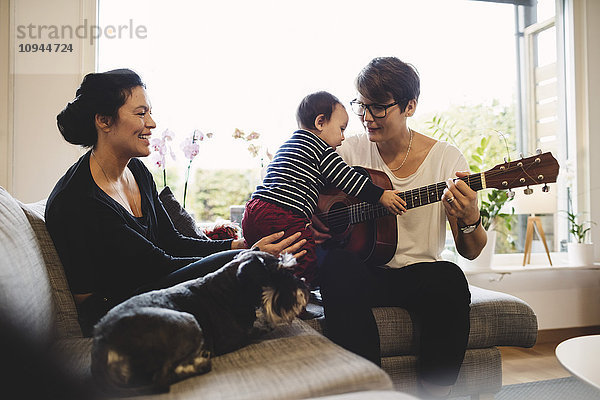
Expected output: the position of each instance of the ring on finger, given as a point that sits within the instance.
(450, 199)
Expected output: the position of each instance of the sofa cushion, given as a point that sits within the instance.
(369, 395)
(67, 324)
(182, 220)
(481, 372)
(497, 319)
(290, 362)
(25, 293)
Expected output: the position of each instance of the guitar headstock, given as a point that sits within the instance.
(534, 170)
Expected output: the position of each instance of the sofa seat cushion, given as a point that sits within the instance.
(25, 294)
(290, 362)
(481, 372)
(369, 395)
(497, 319)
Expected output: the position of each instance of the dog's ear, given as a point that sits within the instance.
(252, 272)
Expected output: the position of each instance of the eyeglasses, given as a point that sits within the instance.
(376, 110)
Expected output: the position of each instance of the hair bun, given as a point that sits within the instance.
(76, 123)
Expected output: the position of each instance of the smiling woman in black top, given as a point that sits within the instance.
(109, 227)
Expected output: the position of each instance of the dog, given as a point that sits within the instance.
(155, 339)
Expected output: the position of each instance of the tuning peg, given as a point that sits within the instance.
(545, 188)
(510, 193)
(528, 190)
(538, 151)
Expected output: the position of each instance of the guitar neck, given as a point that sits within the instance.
(414, 198)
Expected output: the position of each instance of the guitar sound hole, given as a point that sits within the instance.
(338, 219)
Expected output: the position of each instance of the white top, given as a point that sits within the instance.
(421, 230)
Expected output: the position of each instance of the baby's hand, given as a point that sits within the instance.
(394, 203)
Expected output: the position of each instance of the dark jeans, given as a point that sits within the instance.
(96, 306)
(436, 294)
(194, 270)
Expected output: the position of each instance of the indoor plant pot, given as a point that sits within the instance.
(580, 254)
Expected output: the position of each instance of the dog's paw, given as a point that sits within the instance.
(199, 365)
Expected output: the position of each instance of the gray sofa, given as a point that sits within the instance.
(497, 319)
(291, 362)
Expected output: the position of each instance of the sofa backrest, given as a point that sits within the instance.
(25, 294)
(67, 325)
(33, 289)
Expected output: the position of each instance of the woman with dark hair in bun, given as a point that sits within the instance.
(111, 231)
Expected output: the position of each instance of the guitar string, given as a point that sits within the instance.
(408, 194)
(489, 174)
(343, 212)
(340, 215)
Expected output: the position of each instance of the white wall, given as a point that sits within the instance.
(5, 91)
(38, 86)
(584, 125)
(589, 18)
(560, 299)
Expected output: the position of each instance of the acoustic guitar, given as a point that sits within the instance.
(370, 231)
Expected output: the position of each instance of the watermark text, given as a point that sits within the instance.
(84, 31)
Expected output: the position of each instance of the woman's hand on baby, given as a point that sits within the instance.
(272, 244)
(394, 203)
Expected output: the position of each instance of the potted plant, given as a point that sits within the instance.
(491, 203)
(493, 221)
(581, 252)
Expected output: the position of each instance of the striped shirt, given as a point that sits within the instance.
(302, 167)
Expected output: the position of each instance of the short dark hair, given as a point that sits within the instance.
(388, 76)
(313, 105)
(99, 93)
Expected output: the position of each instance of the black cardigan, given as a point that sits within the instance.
(107, 251)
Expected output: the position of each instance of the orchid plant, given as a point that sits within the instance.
(254, 147)
(160, 147)
(190, 146)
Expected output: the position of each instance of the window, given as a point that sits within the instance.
(544, 110)
(220, 66)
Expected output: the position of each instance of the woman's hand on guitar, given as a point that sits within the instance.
(394, 203)
(319, 230)
(272, 244)
(460, 201)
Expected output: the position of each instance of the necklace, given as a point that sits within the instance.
(407, 151)
(115, 187)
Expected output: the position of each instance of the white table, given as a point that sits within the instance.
(581, 357)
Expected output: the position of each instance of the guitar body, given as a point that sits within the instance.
(373, 241)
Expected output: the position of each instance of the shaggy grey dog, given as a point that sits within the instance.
(152, 340)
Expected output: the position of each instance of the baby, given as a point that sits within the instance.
(303, 165)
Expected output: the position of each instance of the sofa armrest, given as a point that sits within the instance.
(500, 319)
